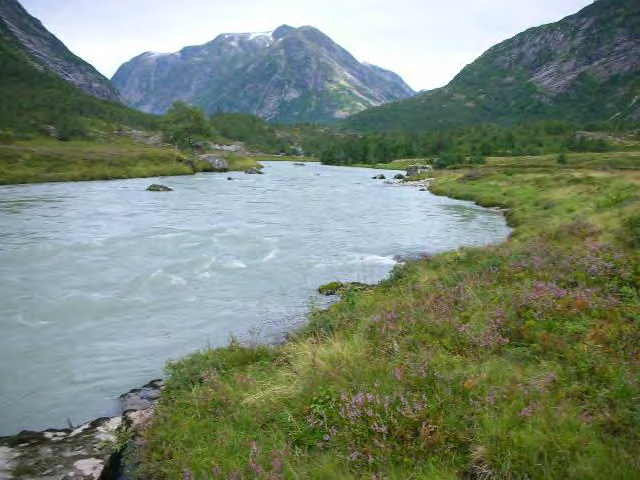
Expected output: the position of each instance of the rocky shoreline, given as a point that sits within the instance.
(94, 450)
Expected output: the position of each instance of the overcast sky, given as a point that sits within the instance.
(425, 41)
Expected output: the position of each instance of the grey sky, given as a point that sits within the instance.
(425, 41)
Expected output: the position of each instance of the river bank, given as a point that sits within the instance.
(513, 360)
(182, 270)
(43, 160)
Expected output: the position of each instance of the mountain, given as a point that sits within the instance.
(49, 53)
(43, 85)
(583, 68)
(288, 75)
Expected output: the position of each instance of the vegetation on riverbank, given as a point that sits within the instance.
(512, 361)
(472, 145)
(54, 161)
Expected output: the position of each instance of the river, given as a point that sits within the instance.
(103, 282)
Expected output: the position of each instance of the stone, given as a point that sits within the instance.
(300, 164)
(339, 288)
(81, 453)
(418, 169)
(89, 451)
(48, 53)
(399, 176)
(218, 164)
(379, 177)
(254, 171)
(159, 188)
(143, 397)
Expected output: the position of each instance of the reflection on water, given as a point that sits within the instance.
(103, 282)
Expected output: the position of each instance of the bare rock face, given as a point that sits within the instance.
(601, 42)
(80, 453)
(49, 53)
(91, 451)
(288, 75)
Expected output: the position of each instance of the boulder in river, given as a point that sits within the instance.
(379, 177)
(254, 171)
(399, 176)
(156, 187)
(218, 164)
(300, 164)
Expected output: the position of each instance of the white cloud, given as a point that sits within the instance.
(425, 41)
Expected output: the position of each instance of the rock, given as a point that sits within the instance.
(218, 164)
(139, 404)
(412, 256)
(399, 176)
(159, 188)
(339, 288)
(254, 171)
(234, 147)
(237, 69)
(418, 169)
(229, 178)
(48, 53)
(85, 452)
(379, 177)
(82, 453)
(388, 182)
(143, 397)
(300, 164)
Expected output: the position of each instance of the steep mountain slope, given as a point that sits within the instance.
(35, 98)
(49, 53)
(585, 67)
(289, 75)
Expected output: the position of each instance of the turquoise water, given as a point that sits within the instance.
(103, 282)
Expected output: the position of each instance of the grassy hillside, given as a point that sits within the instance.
(513, 361)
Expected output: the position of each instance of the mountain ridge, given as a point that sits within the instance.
(287, 75)
(582, 68)
(47, 52)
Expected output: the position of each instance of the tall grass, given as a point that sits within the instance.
(512, 361)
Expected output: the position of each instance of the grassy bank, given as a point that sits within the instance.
(54, 161)
(513, 361)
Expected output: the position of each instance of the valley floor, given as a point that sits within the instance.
(513, 361)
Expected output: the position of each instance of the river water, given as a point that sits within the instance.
(103, 282)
